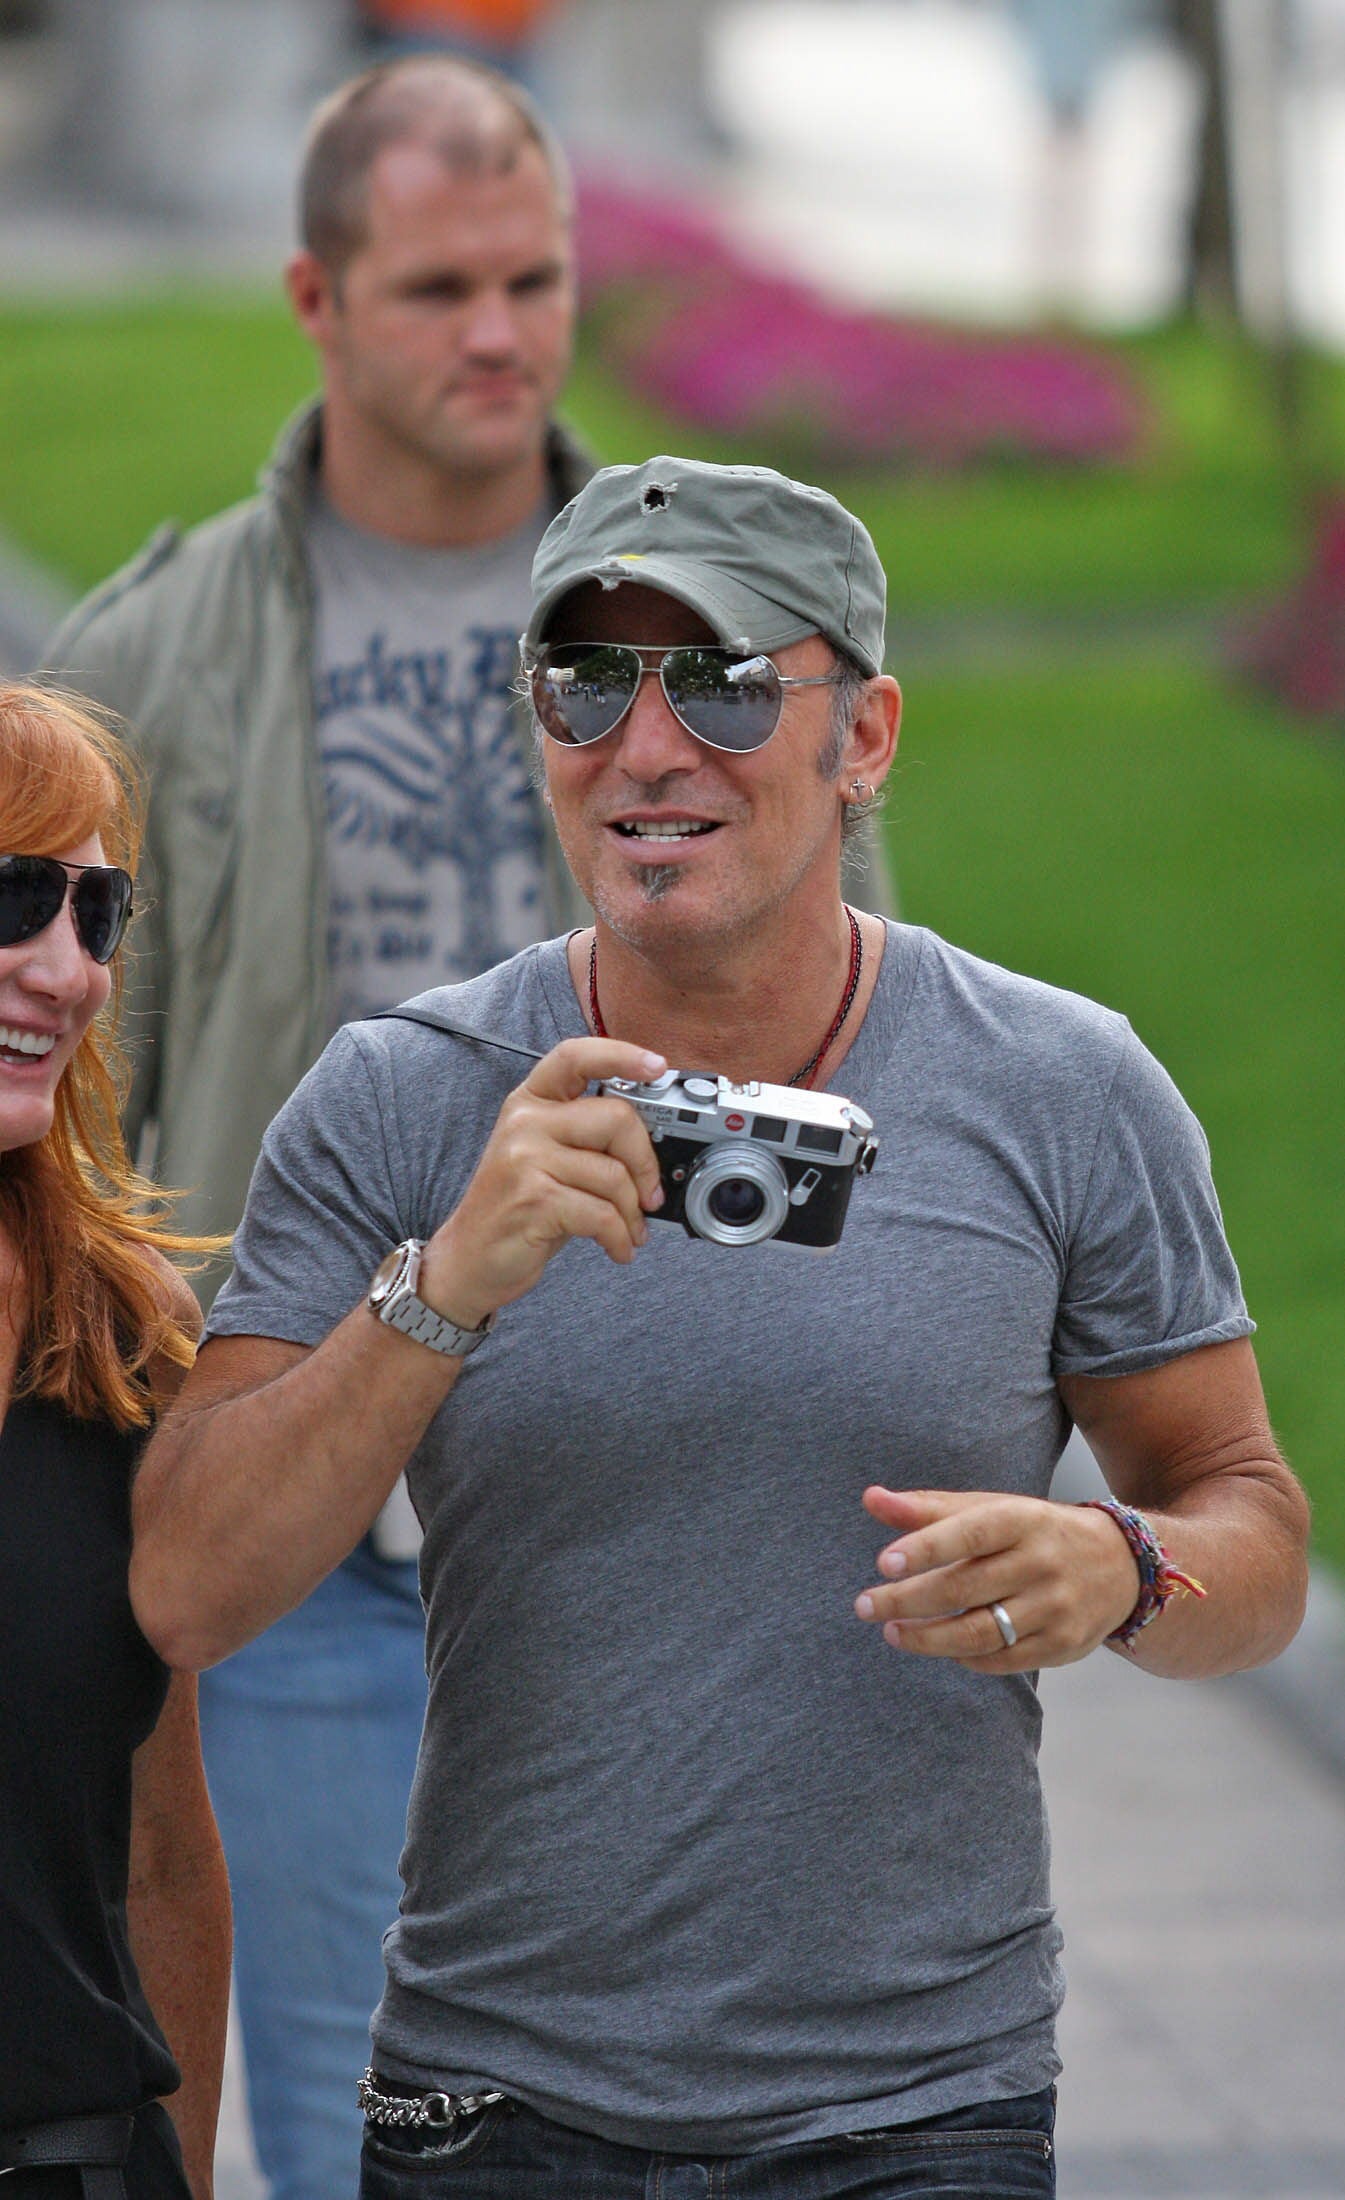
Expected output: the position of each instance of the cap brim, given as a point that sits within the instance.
(739, 616)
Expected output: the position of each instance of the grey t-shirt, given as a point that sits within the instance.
(434, 835)
(695, 1861)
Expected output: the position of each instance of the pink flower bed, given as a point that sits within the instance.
(719, 342)
(1295, 649)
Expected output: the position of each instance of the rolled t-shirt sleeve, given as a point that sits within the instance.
(321, 1209)
(1149, 1274)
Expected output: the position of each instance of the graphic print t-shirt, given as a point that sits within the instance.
(434, 834)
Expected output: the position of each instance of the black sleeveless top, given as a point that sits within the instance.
(80, 1689)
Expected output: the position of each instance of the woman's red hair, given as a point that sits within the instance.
(88, 1300)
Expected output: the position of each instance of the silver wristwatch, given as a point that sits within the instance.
(392, 1297)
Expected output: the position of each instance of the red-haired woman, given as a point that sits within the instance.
(114, 1923)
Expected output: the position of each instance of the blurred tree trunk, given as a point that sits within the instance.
(1238, 260)
(1211, 278)
(82, 156)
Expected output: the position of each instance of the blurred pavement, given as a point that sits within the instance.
(1199, 1868)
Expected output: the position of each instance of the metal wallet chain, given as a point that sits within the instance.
(413, 2114)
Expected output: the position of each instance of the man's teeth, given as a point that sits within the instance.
(665, 829)
(14, 1041)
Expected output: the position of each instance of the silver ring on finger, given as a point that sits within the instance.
(1005, 1625)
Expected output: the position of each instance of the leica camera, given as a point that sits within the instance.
(742, 1163)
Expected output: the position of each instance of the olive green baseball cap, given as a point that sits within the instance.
(764, 560)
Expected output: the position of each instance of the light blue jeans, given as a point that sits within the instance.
(310, 1739)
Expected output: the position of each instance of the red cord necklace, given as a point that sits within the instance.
(802, 1076)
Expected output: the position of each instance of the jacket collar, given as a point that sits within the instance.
(289, 472)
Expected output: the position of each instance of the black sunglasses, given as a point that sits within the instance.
(33, 891)
(582, 690)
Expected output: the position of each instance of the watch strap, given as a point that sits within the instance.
(398, 1304)
(415, 1319)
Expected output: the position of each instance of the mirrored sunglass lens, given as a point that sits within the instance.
(102, 900)
(32, 889)
(731, 702)
(580, 694)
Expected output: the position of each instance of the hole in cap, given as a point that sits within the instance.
(656, 497)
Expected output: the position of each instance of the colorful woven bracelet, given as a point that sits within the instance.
(1159, 1581)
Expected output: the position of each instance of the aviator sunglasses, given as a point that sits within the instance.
(33, 891)
(582, 690)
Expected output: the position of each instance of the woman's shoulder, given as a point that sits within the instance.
(179, 1307)
(176, 1296)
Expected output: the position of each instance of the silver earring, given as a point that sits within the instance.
(861, 793)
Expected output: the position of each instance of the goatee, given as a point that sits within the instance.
(658, 881)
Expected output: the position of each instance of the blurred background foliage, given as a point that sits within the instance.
(140, 408)
(1081, 791)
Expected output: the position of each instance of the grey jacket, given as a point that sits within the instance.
(203, 644)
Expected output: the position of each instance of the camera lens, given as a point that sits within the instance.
(737, 1194)
(736, 1202)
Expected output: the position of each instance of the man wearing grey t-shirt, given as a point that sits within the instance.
(342, 812)
(726, 1864)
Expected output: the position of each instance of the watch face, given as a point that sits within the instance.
(386, 1275)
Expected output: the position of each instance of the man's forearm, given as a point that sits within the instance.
(268, 1470)
(1186, 1443)
(1189, 1443)
(1241, 1535)
(275, 1459)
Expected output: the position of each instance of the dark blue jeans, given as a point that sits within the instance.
(1002, 2151)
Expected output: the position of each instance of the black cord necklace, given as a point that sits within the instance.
(802, 1076)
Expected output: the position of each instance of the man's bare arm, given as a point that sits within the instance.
(276, 1458)
(1190, 1444)
(265, 1474)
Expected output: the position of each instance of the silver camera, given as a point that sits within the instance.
(742, 1163)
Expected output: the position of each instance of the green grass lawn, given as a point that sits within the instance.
(1111, 817)
(115, 417)
(1125, 827)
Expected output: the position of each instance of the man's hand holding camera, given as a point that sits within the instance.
(562, 1162)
